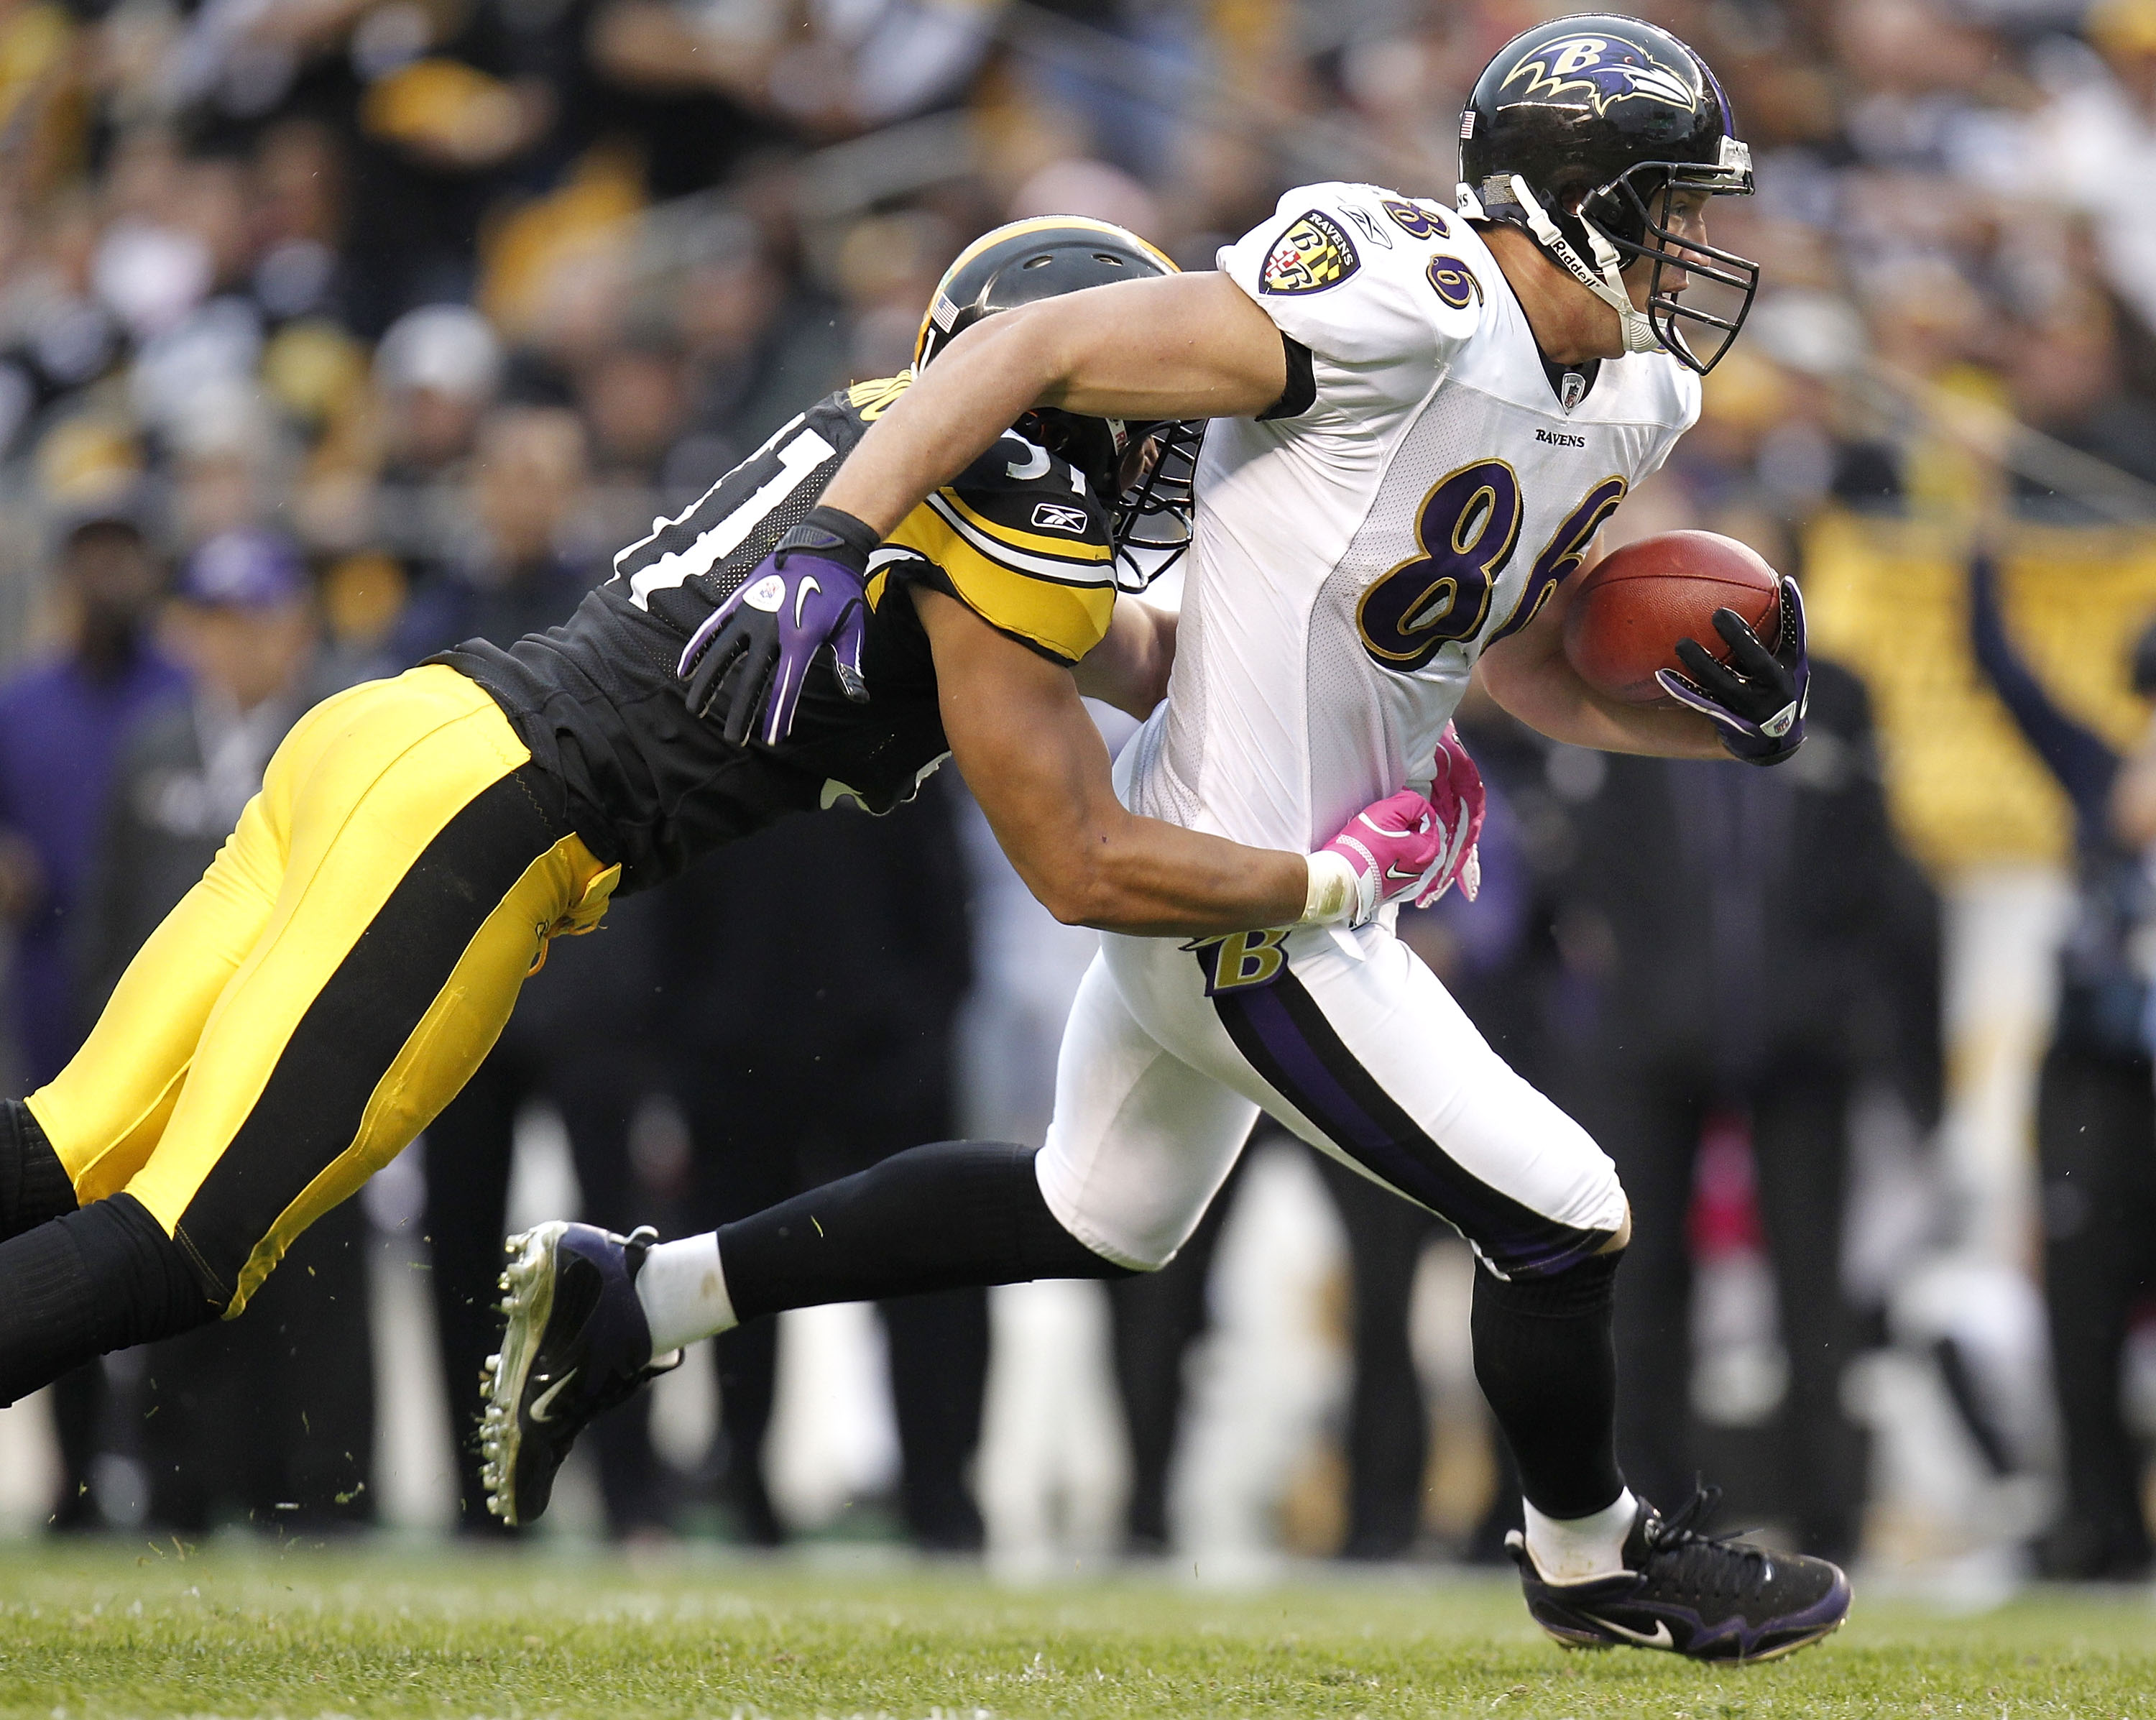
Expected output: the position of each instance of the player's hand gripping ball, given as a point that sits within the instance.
(1686, 618)
(810, 592)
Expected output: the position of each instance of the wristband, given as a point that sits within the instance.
(835, 533)
(1335, 891)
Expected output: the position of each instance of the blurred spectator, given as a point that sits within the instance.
(242, 626)
(807, 1046)
(454, 105)
(61, 724)
(687, 83)
(2096, 1109)
(436, 373)
(2096, 138)
(266, 1419)
(1751, 937)
(2066, 374)
(578, 1037)
(1155, 1318)
(758, 345)
(512, 562)
(582, 1040)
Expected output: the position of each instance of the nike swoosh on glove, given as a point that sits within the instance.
(1457, 796)
(1759, 696)
(810, 592)
(1390, 848)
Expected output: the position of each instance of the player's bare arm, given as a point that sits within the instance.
(1529, 675)
(1185, 346)
(1033, 759)
(1129, 668)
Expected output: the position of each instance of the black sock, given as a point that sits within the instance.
(98, 1279)
(1543, 1355)
(958, 1213)
(34, 1187)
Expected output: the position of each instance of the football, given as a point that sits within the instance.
(1635, 604)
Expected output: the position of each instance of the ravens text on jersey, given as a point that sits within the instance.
(1019, 538)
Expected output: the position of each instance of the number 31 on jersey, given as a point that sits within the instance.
(1467, 529)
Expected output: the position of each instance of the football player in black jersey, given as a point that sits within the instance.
(356, 947)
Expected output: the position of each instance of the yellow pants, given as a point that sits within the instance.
(341, 970)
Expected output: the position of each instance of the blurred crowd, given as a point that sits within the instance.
(334, 331)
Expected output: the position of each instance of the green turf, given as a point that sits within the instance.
(108, 1631)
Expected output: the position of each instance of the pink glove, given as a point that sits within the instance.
(1456, 794)
(1387, 851)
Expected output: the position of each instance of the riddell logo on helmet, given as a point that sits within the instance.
(1600, 70)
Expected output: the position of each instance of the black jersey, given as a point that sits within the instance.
(1018, 539)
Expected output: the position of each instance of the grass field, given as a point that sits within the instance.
(114, 1631)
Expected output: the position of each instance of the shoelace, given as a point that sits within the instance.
(1679, 1534)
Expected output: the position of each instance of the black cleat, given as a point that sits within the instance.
(576, 1345)
(1710, 1598)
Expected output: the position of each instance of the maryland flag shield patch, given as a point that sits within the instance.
(1313, 255)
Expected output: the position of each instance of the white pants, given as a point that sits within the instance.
(1173, 1050)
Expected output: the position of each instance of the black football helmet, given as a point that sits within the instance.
(1143, 473)
(1580, 131)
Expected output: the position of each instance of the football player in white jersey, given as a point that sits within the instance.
(1421, 417)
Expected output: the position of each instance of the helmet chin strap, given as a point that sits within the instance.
(1605, 280)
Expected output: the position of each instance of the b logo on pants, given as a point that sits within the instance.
(1242, 961)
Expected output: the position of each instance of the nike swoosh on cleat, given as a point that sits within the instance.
(541, 1404)
(801, 596)
(1660, 1638)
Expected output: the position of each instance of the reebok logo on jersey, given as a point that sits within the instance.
(1559, 439)
(1055, 516)
(1314, 254)
(1366, 224)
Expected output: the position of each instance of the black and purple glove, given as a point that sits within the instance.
(1758, 697)
(810, 592)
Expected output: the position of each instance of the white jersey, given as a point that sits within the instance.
(1352, 562)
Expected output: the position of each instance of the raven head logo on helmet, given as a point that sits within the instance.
(1587, 132)
(1142, 472)
(1599, 71)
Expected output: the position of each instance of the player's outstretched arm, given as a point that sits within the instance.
(1035, 762)
(1529, 675)
(1181, 346)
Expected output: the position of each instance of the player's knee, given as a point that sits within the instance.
(1124, 1252)
(34, 1185)
(144, 1284)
